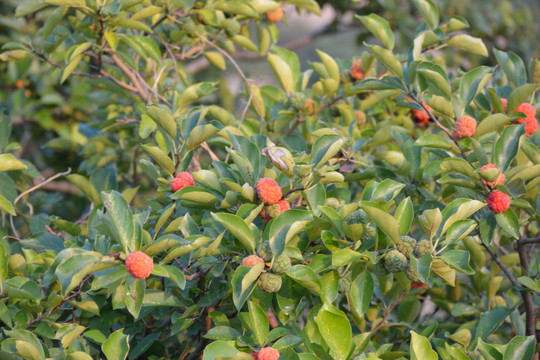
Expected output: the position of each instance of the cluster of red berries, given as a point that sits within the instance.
(266, 353)
(531, 123)
(498, 201)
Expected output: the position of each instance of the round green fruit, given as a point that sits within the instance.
(380, 268)
(395, 261)
(412, 274)
(422, 248)
(357, 217)
(269, 282)
(264, 251)
(406, 245)
(282, 264)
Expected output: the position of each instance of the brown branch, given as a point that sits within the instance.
(387, 313)
(64, 300)
(530, 321)
(130, 73)
(503, 267)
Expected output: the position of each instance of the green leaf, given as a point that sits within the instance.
(149, 46)
(384, 221)
(458, 260)
(530, 283)
(473, 82)
(163, 118)
(135, 290)
(238, 228)
(258, 323)
(309, 5)
(404, 215)
(492, 123)
(387, 190)
(221, 350)
(243, 283)
(325, 148)
(459, 230)
(283, 73)
(380, 28)
(509, 221)
(200, 134)
(306, 277)
(335, 328)
(431, 219)
(116, 347)
(197, 241)
(513, 67)
(160, 157)
(444, 271)
(507, 146)
(469, 43)
(436, 77)
(489, 352)
(120, 222)
(216, 59)
(8, 162)
(459, 209)
(73, 268)
(361, 292)
(491, 321)
(387, 59)
(284, 228)
(421, 348)
(85, 186)
(429, 12)
(436, 142)
(7, 206)
(345, 256)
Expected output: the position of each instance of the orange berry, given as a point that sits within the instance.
(268, 191)
(252, 260)
(356, 70)
(500, 178)
(139, 265)
(420, 117)
(283, 205)
(19, 84)
(498, 201)
(268, 353)
(182, 180)
(309, 107)
(465, 126)
(275, 15)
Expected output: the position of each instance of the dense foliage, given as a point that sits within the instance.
(380, 207)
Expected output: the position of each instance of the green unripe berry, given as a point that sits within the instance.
(422, 248)
(412, 274)
(357, 217)
(369, 234)
(406, 245)
(380, 268)
(269, 282)
(395, 261)
(265, 251)
(282, 264)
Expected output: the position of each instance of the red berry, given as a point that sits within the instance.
(182, 180)
(531, 123)
(254, 356)
(268, 353)
(498, 201)
(356, 70)
(465, 126)
(418, 284)
(268, 191)
(498, 181)
(139, 265)
(252, 260)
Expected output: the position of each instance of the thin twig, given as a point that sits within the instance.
(503, 267)
(387, 313)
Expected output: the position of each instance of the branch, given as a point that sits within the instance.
(387, 313)
(503, 267)
(530, 321)
(130, 74)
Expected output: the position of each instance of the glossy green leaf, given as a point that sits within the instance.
(163, 118)
(6, 205)
(469, 43)
(8, 162)
(520, 95)
(429, 12)
(238, 229)
(387, 59)
(421, 348)
(160, 157)
(458, 260)
(507, 146)
(200, 134)
(325, 148)
(362, 288)
(491, 321)
(243, 283)
(473, 82)
(384, 221)
(258, 323)
(513, 67)
(492, 123)
(336, 330)
(119, 219)
(116, 347)
(380, 28)
(509, 221)
(284, 228)
(459, 230)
